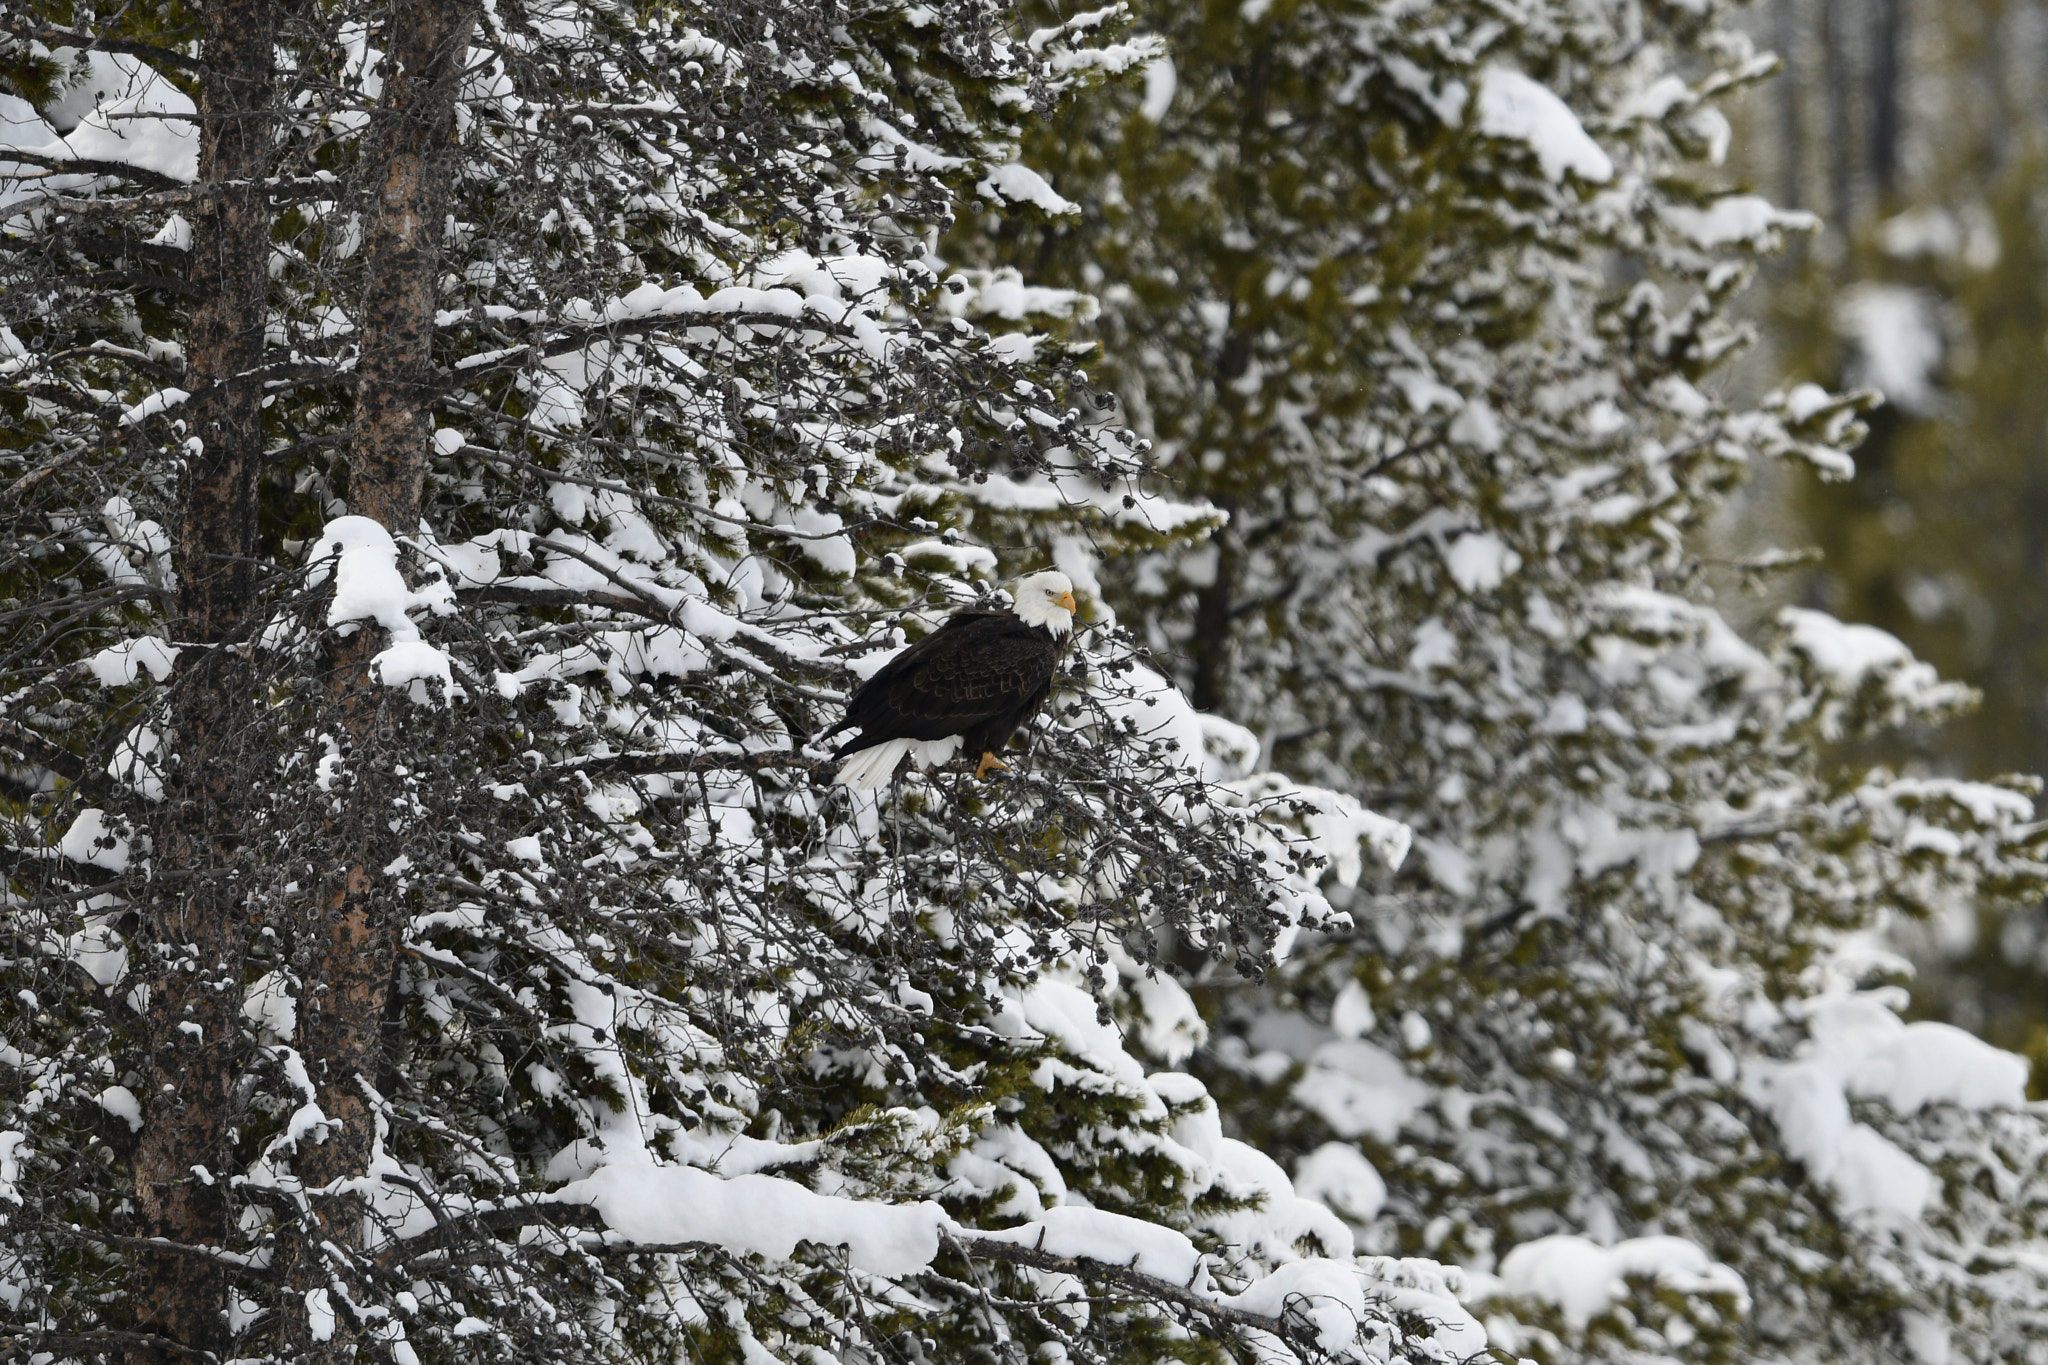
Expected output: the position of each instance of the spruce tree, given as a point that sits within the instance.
(1435, 302)
(459, 458)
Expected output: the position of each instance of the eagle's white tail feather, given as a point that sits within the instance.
(931, 753)
(867, 769)
(870, 768)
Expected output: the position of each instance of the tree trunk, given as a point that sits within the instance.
(350, 962)
(229, 271)
(189, 957)
(1209, 649)
(1838, 83)
(411, 172)
(1887, 97)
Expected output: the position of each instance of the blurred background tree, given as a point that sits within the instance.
(1915, 129)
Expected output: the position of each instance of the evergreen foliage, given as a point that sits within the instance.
(419, 882)
(1452, 370)
(1929, 290)
(460, 456)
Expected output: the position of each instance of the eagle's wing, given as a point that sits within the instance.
(977, 666)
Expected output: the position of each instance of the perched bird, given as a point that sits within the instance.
(971, 682)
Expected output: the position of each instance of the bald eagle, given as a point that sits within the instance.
(971, 682)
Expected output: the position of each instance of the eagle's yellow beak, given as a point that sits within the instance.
(1066, 599)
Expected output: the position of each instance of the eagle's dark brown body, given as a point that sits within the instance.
(980, 676)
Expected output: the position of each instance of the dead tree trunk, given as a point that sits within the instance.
(190, 954)
(350, 958)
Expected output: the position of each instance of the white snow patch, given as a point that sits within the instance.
(1423, 392)
(161, 401)
(120, 1101)
(1515, 107)
(1897, 335)
(1161, 83)
(1479, 562)
(1478, 426)
(1655, 100)
(124, 92)
(1340, 828)
(1927, 1337)
(758, 1214)
(1737, 218)
(14, 1146)
(320, 1320)
(1340, 1176)
(1850, 657)
(368, 587)
(1435, 647)
(1231, 750)
(1172, 1028)
(268, 1004)
(1019, 184)
(409, 661)
(93, 842)
(832, 553)
(1360, 1090)
(1156, 710)
(1111, 1237)
(1970, 236)
(99, 950)
(1067, 1015)
(1585, 1280)
(1351, 1013)
(1328, 1295)
(120, 664)
(1858, 1047)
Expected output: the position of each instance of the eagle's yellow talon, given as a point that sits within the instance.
(989, 760)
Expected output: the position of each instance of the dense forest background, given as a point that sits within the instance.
(1918, 133)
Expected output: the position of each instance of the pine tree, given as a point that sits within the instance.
(459, 457)
(1432, 301)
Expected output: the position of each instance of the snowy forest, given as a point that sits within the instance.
(1458, 904)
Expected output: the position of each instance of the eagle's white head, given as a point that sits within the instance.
(1046, 599)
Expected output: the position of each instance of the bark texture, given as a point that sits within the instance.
(411, 173)
(228, 271)
(350, 960)
(191, 953)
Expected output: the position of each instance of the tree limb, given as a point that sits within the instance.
(644, 765)
(26, 742)
(85, 166)
(1151, 1286)
(219, 1256)
(87, 42)
(965, 1243)
(96, 1343)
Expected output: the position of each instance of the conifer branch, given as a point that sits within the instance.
(1149, 1286)
(55, 36)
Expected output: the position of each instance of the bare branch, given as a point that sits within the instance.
(701, 761)
(84, 166)
(26, 742)
(220, 1256)
(96, 1343)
